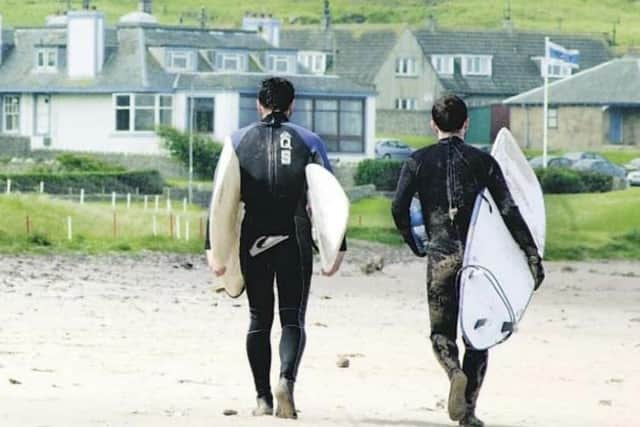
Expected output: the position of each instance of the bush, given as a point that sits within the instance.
(146, 182)
(206, 152)
(383, 174)
(83, 163)
(563, 181)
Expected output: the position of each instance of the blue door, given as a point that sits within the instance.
(615, 126)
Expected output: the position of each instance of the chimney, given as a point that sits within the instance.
(431, 23)
(267, 26)
(326, 18)
(146, 6)
(85, 44)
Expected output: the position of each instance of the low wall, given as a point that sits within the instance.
(394, 122)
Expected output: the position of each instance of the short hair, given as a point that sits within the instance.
(449, 113)
(276, 94)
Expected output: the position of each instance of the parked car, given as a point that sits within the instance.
(552, 162)
(634, 177)
(633, 165)
(392, 149)
(604, 167)
(584, 155)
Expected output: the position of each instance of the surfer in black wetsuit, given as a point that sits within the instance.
(448, 177)
(275, 238)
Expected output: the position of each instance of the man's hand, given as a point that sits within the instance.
(216, 269)
(537, 271)
(336, 265)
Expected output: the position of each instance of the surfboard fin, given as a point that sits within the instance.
(480, 323)
(507, 327)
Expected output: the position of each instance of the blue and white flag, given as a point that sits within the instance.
(556, 53)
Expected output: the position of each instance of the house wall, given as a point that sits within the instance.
(631, 127)
(578, 127)
(425, 87)
(395, 122)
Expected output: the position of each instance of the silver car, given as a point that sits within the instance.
(634, 178)
(552, 162)
(392, 149)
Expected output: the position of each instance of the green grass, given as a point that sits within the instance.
(591, 16)
(93, 230)
(581, 226)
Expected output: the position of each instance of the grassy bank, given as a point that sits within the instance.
(93, 228)
(581, 226)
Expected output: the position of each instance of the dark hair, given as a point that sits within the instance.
(276, 94)
(449, 113)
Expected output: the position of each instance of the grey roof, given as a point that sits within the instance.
(616, 82)
(249, 83)
(204, 39)
(359, 55)
(130, 67)
(514, 71)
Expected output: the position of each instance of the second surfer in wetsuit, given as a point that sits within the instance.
(448, 176)
(275, 238)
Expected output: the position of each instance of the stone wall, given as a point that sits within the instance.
(14, 146)
(394, 122)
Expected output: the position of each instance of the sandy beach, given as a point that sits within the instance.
(145, 341)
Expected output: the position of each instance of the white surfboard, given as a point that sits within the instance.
(496, 284)
(329, 212)
(225, 219)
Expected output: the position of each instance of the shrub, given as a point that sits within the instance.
(83, 163)
(206, 152)
(383, 174)
(562, 181)
(146, 182)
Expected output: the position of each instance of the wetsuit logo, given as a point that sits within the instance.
(285, 148)
(265, 243)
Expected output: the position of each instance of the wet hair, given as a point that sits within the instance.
(276, 94)
(449, 113)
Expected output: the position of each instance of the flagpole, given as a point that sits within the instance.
(545, 132)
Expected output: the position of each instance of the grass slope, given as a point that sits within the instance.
(592, 16)
(581, 226)
(92, 227)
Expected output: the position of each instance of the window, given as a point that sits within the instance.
(406, 67)
(47, 59)
(406, 104)
(279, 63)
(443, 64)
(180, 60)
(339, 122)
(231, 61)
(552, 118)
(478, 65)
(248, 110)
(315, 62)
(11, 113)
(143, 112)
(557, 69)
(203, 110)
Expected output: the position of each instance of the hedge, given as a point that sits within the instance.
(383, 174)
(206, 151)
(145, 182)
(562, 181)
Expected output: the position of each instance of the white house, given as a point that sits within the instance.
(76, 84)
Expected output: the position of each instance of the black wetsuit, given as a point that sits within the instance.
(448, 176)
(276, 238)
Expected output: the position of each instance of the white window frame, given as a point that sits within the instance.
(275, 59)
(406, 66)
(477, 65)
(443, 64)
(231, 57)
(49, 56)
(132, 107)
(180, 54)
(316, 62)
(14, 112)
(406, 104)
(557, 70)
